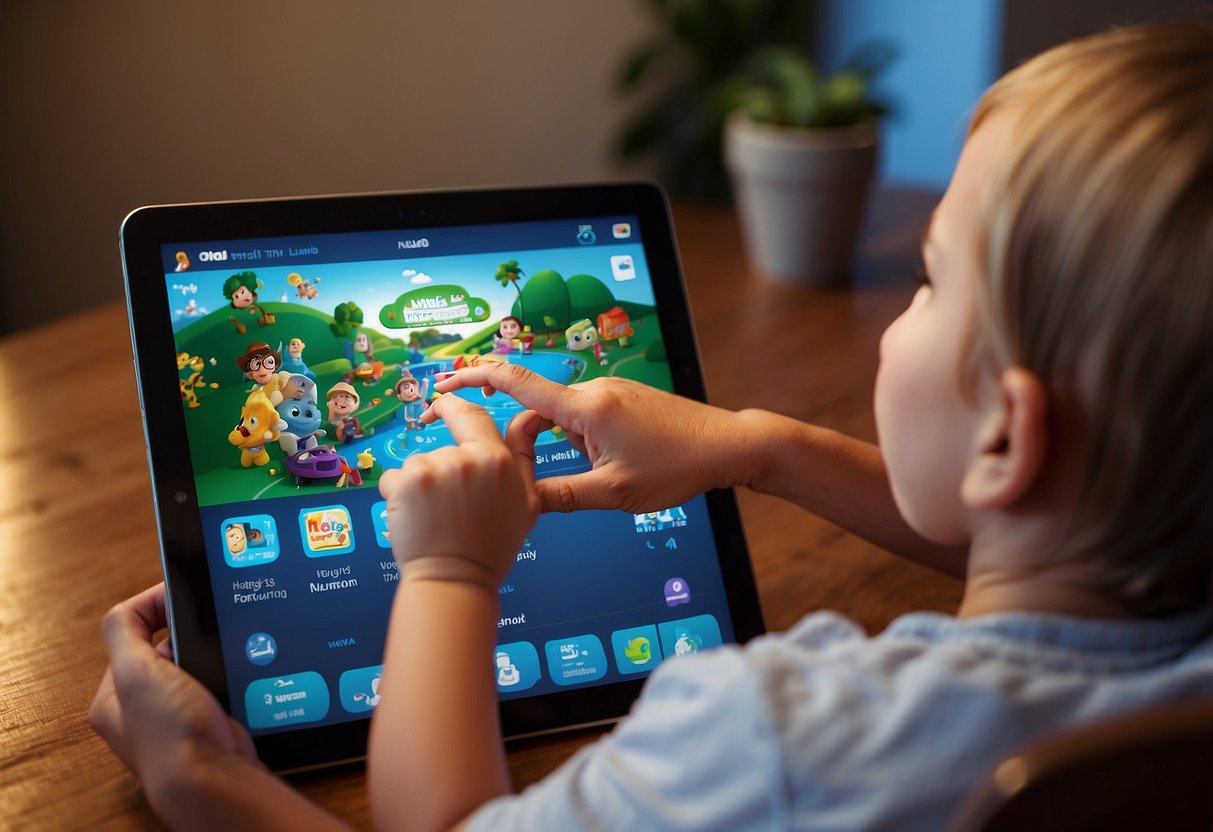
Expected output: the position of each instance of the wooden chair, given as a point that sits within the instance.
(1149, 770)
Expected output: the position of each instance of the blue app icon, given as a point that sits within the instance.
(358, 689)
(636, 649)
(250, 540)
(689, 635)
(515, 666)
(261, 649)
(379, 520)
(286, 700)
(576, 660)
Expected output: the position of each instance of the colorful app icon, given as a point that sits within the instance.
(261, 648)
(636, 649)
(586, 235)
(515, 666)
(575, 660)
(677, 592)
(657, 521)
(358, 689)
(251, 540)
(622, 267)
(326, 531)
(383, 535)
(622, 230)
(286, 700)
(689, 635)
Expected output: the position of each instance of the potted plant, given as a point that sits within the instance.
(685, 74)
(800, 149)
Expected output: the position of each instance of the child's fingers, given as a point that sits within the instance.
(135, 621)
(520, 439)
(104, 713)
(529, 389)
(467, 422)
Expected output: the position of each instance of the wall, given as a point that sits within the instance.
(108, 106)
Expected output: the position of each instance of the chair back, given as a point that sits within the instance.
(1149, 770)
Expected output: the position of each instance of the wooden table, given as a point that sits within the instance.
(78, 533)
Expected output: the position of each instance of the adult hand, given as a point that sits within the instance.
(159, 720)
(471, 503)
(649, 449)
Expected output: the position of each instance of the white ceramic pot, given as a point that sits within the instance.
(801, 194)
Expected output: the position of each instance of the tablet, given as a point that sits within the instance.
(284, 350)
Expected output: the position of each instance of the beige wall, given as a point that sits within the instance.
(110, 105)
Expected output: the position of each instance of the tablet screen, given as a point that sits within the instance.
(303, 364)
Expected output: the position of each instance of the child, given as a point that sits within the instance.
(1045, 413)
(412, 395)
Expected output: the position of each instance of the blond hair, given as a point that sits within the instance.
(1099, 258)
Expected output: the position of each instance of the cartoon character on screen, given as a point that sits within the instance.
(343, 401)
(259, 425)
(412, 396)
(293, 361)
(615, 324)
(362, 344)
(241, 293)
(509, 328)
(237, 540)
(583, 336)
(303, 288)
(183, 262)
(262, 364)
(194, 382)
(301, 414)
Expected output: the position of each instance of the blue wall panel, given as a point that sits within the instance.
(948, 54)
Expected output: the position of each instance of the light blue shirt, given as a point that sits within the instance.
(824, 728)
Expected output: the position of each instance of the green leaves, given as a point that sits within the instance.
(785, 89)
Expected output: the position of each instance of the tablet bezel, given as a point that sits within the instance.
(191, 604)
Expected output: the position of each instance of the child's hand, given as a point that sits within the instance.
(158, 719)
(650, 449)
(463, 511)
(198, 766)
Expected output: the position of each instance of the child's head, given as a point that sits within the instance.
(1086, 196)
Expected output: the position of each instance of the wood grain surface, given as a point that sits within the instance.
(77, 532)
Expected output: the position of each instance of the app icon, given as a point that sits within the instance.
(326, 531)
(689, 635)
(383, 535)
(358, 689)
(251, 540)
(677, 592)
(656, 521)
(515, 666)
(622, 267)
(636, 649)
(622, 230)
(261, 648)
(575, 660)
(586, 235)
(285, 700)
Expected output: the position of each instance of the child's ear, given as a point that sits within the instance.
(1012, 443)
